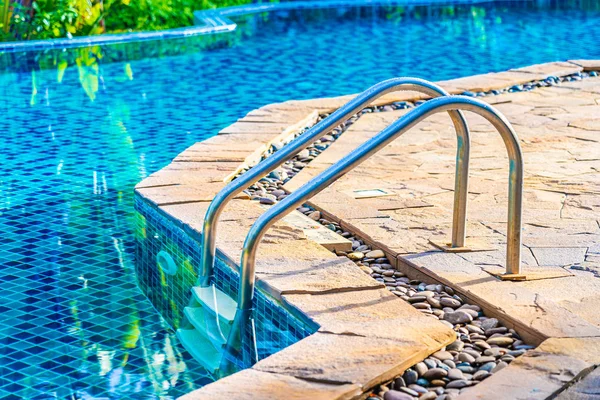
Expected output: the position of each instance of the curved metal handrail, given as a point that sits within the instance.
(322, 128)
(370, 147)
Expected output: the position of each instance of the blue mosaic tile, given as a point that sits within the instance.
(170, 294)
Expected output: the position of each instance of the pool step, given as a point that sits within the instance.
(201, 348)
(217, 302)
(217, 335)
(209, 318)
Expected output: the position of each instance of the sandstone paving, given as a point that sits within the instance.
(251, 384)
(588, 388)
(588, 65)
(373, 313)
(540, 373)
(364, 361)
(287, 262)
(552, 69)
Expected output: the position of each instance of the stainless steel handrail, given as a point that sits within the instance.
(321, 129)
(370, 147)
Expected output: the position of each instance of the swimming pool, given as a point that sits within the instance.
(83, 126)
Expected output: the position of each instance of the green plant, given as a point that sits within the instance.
(48, 19)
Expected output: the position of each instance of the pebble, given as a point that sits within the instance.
(417, 299)
(315, 215)
(500, 341)
(494, 351)
(507, 358)
(464, 357)
(472, 352)
(481, 344)
(356, 255)
(434, 302)
(396, 395)
(488, 366)
(455, 374)
(399, 383)
(443, 355)
(467, 369)
(421, 368)
(474, 314)
(409, 391)
(458, 384)
(375, 254)
(475, 329)
(481, 375)
(435, 373)
(428, 396)
(450, 363)
(484, 359)
(304, 154)
(458, 317)
(450, 302)
(418, 388)
(489, 323)
(422, 306)
(455, 346)
(493, 331)
(268, 199)
(410, 376)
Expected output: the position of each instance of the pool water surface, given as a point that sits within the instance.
(82, 127)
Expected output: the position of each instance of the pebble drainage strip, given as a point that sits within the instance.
(482, 347)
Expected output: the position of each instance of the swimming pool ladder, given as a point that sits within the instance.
(366, 150)
(210, 315)
(321, 129)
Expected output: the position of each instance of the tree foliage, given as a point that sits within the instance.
(48, 19)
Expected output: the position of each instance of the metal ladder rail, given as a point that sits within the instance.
(209, 231)
(367, 149)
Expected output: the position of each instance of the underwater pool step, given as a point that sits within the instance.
(196, 316)
(217, 302)
(201, 348)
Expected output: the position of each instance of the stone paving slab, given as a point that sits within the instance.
(551, 69)
(286, 261)
(269, 386)
(364, 361)
(588, 65)
(373, 313)
(540, 373)
(587, 389)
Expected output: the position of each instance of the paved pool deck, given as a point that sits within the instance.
(555, 307)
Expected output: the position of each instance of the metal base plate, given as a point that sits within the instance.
(511, 277)
(534, 273)
(472, 246)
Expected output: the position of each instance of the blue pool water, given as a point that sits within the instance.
(82, 127)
